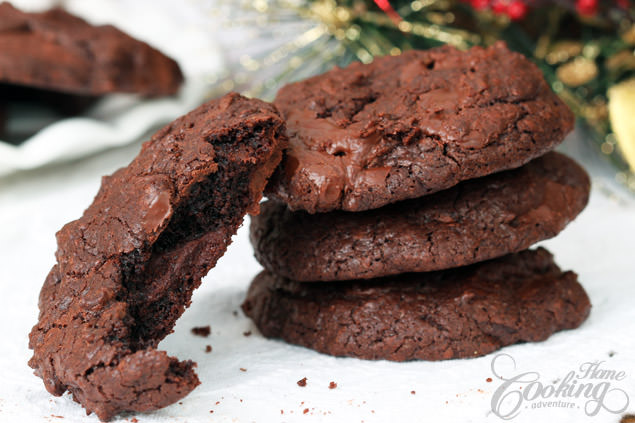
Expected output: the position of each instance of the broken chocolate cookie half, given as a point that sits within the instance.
(126, 269)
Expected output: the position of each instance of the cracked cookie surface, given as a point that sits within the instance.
(458, 313)
(126, 269)
(406, 126)
(55, 50)
(476, 220)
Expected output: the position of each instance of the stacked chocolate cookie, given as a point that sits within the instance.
(399, 221)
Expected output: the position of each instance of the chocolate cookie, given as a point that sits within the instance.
(406, 126)
(58, 51)
(458, 313)
(474, 221)
(126, 269)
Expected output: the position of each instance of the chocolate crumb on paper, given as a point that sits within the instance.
(332, 385)
(203, 331)
(302, 382)
(247, 333)
(628, 418)
(208, 348)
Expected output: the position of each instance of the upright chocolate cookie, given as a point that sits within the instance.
(58, 51)
(126, 269)
(458, 313)
(474, 221)
(406, 126)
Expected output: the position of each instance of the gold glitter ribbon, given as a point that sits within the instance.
(622, 117)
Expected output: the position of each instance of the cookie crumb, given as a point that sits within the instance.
(247, 333)
(628, 418)
(211, 411)
(412, 392)
(134, 420)
(302, 382)
(217, 402)
(332, 385)
(281, 411)
(488, 380)
(242, 369)
(208, 348)
(203, 331)
(306, 410)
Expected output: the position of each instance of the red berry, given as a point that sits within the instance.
(499, 6)
(587, 7)
(516, 10)
(479, 4)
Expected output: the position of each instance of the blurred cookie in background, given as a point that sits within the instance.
(54, 64)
